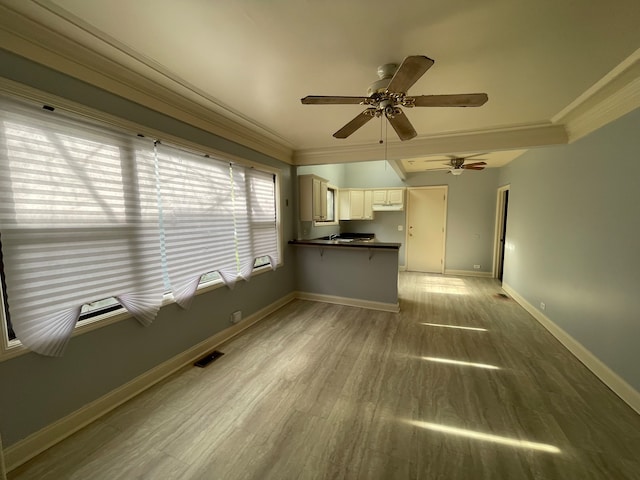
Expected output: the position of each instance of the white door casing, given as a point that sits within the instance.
(498, 245)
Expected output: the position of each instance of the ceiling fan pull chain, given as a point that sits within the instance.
(386, 140)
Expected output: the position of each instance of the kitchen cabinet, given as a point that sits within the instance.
(313, 198)
(388, 199)
(356, 204)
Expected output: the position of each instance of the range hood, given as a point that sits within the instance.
(387, 208)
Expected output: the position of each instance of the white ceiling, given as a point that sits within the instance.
(253, 60)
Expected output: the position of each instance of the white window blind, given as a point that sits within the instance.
(87, 214)
(78, 223)
(215, 217)
(242, 222)
(198, 220)
(262, 213)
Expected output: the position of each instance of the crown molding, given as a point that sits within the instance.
(613, 96)
(104, 64)
(518, 137)
(34, 30)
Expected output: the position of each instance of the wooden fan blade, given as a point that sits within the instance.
(467, 157)
(355, 124)
(455, 100)
(402, 126)
(474, 164)
(469, 167)
(328, 100)
(408, 73)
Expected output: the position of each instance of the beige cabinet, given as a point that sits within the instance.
(313, 198)
(388, 199)
(356, 204)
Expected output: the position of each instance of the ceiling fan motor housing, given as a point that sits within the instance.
(385, 74)
(457, 162)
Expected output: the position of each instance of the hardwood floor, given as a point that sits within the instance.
(320, 391)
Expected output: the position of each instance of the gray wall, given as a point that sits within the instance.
(572, 236)
(348, 272)
(470, 210)
(38, 390)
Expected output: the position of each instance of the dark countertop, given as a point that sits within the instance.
(354, 240)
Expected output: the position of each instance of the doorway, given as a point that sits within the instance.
(502, 208)
(426, 228)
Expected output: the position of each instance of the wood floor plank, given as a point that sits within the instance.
(461, 384)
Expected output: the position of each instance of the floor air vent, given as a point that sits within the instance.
(208, 358)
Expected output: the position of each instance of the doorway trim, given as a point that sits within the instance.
(444, 232)
(500, 204)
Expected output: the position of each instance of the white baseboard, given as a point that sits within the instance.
(39, 441)
(351, 302)
(625, 391)
(468, 273)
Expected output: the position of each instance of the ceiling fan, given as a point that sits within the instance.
(386, 95)
(456, 164)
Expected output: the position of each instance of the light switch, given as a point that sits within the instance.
(400, 228)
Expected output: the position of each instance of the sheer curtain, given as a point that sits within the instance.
(78, 223)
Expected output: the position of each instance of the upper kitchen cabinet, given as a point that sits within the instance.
(356, 204)
(389, 199)
(313, 198)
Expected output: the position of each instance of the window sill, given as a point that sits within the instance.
(13, 348)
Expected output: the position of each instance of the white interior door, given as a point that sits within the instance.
(426, 221)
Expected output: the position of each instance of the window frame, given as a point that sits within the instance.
(13, 90)
(336, 204)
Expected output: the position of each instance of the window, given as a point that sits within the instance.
(92, 221)
(331, 204)
(332, 208)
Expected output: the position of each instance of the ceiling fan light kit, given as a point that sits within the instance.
(387, 95)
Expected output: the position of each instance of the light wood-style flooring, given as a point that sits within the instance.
(320, 391)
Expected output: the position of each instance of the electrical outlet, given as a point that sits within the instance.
(476, 267)
(236, 316)
(542, 306)
(400, 228)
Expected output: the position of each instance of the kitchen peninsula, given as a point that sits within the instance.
(349, 269)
